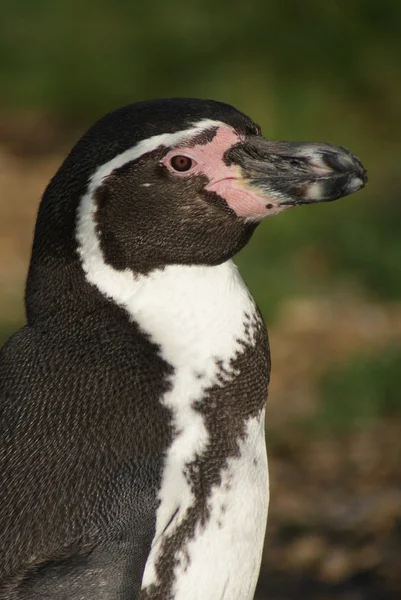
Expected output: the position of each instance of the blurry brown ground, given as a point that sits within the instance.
(335, 518)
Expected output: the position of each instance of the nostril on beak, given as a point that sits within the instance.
(336, 161)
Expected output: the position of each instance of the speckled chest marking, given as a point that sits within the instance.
(213, 498)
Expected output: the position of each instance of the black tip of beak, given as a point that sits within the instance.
(345, 175)
(299, 173)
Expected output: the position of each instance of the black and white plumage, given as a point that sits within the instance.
(132, 453)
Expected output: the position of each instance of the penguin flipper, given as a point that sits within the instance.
(78, 490)
(110, 572)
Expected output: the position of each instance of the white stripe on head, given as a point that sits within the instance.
(112, 283)
(149, 145)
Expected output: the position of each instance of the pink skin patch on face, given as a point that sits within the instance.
(226, 181)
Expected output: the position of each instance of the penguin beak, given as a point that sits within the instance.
(293, 173)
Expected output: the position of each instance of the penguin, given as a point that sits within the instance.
(132, 444)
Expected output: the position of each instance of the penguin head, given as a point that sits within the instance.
(162, 199)
(178, 181)
(191, 180)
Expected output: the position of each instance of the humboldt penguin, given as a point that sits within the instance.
(132, 443)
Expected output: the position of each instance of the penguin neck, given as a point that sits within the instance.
(70, 279)
(187, 310)
(190, 312)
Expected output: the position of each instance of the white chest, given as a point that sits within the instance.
(208, 327)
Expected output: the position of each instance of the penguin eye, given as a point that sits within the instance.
(181, 163)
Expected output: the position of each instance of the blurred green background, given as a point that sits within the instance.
(327, 277)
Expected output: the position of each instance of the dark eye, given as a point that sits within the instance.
(181, 163)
